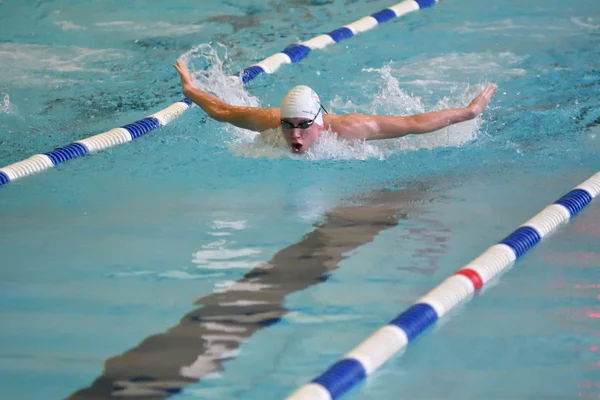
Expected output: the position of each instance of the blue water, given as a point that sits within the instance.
(103, 252)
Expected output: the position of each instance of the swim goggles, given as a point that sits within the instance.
(304, 124)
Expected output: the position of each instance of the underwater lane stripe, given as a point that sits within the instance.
(384, 343)
(291, 54)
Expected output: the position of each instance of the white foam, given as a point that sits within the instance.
(329, 146)
(215, 326)
(204, 256)
(244, 303)
(521, 28)
(69, 26)
(207, 64)
(215, 350)
(237, 225)
(30, 64)
(216, 256)
(225, 264)
(586, 22)
(219, 233)
(149, 29)
(177, 274)
(214, 245)
(269, 144)
(173, 274)
(500, 25)
(452, 70)
(390, 99)
(300, 318)
(237, 286)
(5, 106)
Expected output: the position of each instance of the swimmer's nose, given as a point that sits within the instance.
(296, 133)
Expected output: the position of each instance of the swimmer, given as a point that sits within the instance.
(302, 117)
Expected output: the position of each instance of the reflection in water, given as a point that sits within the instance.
(578, 293)
(163, 364)
(435, 239)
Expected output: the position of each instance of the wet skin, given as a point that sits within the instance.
(300, 139)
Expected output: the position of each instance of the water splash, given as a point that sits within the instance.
(210, 63)
(5, 106)
(391, 99)
(209, 66)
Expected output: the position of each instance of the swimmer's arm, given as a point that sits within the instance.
(385, 127)
(252, 118)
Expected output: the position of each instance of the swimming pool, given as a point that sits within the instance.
(105, 257)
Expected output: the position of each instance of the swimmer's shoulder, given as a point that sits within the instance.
(347, 126)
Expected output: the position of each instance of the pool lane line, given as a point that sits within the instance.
(369, 355)
(165, 363)
(127, 133)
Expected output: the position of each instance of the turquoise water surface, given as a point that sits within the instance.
(124, 260)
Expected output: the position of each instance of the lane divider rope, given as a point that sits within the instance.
(127, 133)
(385, 342)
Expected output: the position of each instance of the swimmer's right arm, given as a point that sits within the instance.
(252, 118)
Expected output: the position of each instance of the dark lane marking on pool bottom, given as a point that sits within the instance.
(163, 364)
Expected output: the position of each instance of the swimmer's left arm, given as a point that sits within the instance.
(386, 127)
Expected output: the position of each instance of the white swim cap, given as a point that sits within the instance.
(301, 102)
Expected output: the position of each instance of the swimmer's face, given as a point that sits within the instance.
(300, 133)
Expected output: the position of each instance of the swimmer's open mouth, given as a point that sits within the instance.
(296, 147)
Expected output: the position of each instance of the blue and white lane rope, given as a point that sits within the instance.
(127, 133)
(384, 343)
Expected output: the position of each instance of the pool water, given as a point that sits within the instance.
(202, 262)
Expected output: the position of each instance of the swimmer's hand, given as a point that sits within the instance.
(479, 103)
(187, 80)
